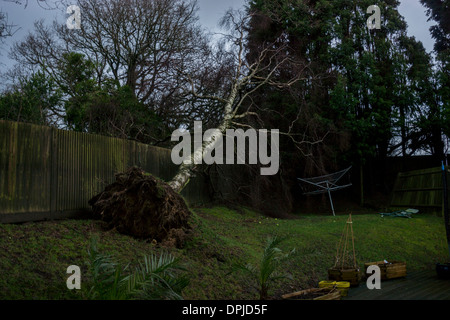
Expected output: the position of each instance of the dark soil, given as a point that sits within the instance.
(143, 206)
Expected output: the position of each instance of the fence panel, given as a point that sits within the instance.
(25, 162)
(47, 172)
(419, 188)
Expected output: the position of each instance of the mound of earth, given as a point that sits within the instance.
(143, 206)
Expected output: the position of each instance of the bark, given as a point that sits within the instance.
(185, 171)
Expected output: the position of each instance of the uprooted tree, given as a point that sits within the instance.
(143, 206)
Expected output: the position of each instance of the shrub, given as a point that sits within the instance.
(153, 278)
(266, 274)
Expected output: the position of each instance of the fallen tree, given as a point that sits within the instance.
(143, 206)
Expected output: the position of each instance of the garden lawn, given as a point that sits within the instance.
(34, 256)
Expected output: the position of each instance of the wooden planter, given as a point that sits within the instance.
(350, 275)
(314, 294)
(390, 270)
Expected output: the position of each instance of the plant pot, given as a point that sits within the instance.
(443, 270)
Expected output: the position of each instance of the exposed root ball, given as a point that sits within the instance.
(143, 206)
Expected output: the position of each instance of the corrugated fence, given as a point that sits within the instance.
(50, 173)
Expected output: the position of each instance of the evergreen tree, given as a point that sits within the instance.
(439, 11)
(105, 108)
(33, 100)
(369, 83)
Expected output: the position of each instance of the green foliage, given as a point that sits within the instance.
(77, 74)
(157, 278)
(32, 101)
(302, 109)
(266, 273)
(107, 276)
(104, 108)
(444, 94)
(439, 12)
(368, 84)
(153, 278)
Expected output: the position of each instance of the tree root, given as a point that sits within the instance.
(143, 206)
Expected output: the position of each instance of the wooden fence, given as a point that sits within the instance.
(50, 173)
(419, 188)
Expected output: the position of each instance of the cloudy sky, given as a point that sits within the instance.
(210, 13)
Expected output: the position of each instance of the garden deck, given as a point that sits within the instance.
(424, 285)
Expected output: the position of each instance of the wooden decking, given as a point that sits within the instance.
(424, 285)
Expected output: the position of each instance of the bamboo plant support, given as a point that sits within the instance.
(345, 267)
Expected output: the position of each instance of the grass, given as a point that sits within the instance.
(34, 256)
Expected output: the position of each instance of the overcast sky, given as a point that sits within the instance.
(210, 13)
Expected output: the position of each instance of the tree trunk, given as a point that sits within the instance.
(403, 129)
(185, 171)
